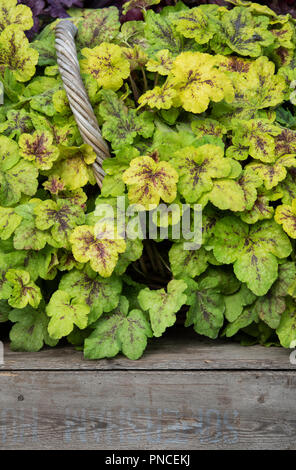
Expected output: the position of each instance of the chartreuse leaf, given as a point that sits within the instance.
(259, 88)
(13, 14)
(197, 80)
(120, 330)
(97, 247)
(38, 147)
(187, 263)
(285, 215)
(207, 127)
(244, 33)
(197, 167)
(122, 124)
(74, 168)
(253, 250)
(160, 97)
(163, 306)
(162, 63)
(16, 176)
(16, 54)
(261, 209)
(271, 306)
(61, 216)
(65, 312)
(97, 26)
(272, 174)
(29, 333)
(9, 221)
(23, 290)
(149, 181)
(101, 295)
(207, 306)
(107, 64)
(286, 330)
(27, 236)
(258, 135)
(194, 24)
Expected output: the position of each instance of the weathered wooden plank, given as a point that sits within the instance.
(147, 410)
(180, 349)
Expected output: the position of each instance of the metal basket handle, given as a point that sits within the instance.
(80, 105)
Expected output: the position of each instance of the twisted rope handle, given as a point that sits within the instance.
(79, 102)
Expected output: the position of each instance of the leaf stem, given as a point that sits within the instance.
(144, 79)
(134, 89)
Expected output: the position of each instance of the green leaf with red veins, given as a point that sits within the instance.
(207, 126)
(249, 182)
(29, 332)
(246, 318)
(61, 217)
(274, 173)
(187, 263)
(238, 32)
(123, 124)
(38, 147)
(271, 306)
(285, 142)
(97, 26)
(149, 181)
(120, 330)
(285, 215)
(162, 63)
(235, 303)
(197, 167)
(102, 295)
(207, 307)
(287, 187)
(54, 185)
(194, 24)
(163, 306)
(17, 122)
(9, 221)
(23, 290)
(286, 330)
(160, 33)
(65, 312)
(98, 248)
(27, 236)
(253, 250)
(261, 209)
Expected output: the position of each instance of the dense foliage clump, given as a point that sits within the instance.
(196, 105)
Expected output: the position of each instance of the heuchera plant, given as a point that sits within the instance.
(194, 104)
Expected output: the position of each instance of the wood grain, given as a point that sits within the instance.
(147, 410)
(180, 349)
